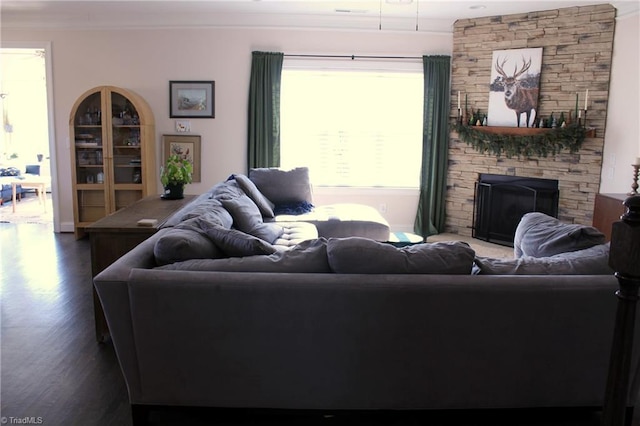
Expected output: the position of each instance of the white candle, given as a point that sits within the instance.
(637, 161)
(579, 113)
(586, 98)
(458, 99)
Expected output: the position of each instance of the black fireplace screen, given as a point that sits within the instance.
(501, 201)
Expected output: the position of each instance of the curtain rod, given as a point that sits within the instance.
(353, 57)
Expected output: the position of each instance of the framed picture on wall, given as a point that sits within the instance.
(192, 99)
(514, 87)
(186, 147)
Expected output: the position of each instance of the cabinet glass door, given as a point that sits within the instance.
(89, 159)
(127, 158)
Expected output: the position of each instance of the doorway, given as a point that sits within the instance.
(26, 135)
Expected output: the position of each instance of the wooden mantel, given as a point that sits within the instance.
(523, 131)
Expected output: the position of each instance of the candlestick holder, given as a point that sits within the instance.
(634, 185)
(459, 116)
(585, 118)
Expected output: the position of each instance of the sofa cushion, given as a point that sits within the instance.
(264, 204)
(247, 218)
(283, 186)
(208, 220)
(212, 210)
(344, 220)
(540, 235)
(296, 232)
(179, 244)
(591, 261)
(306, 257)
(236, 243)
(357, 255)
(226, 189)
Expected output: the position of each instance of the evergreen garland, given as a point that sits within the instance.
(543, 144)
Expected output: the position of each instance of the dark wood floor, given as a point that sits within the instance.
(54, 371)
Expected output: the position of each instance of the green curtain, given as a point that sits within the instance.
(430, 218)
(264, 110)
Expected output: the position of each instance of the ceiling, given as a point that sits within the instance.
(391, 15)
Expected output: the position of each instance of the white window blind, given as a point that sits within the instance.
(354, 128)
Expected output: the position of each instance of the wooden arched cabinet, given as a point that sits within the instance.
(112, 134)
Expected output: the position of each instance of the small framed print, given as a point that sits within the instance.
(186, 147)
(192, 99)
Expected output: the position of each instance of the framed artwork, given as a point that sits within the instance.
(514, 88)
(192, 99)
(186, 147)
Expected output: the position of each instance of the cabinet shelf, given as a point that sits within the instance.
(127, 186)
(90, 186)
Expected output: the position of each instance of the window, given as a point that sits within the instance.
(353, 128)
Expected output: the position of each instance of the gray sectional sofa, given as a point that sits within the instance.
(350, 323)
(267, 211)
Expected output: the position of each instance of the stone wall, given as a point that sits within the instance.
(577, 47)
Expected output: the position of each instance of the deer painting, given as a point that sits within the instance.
(517, 97)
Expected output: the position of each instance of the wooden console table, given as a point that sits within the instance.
(607, 209)
(116, 234)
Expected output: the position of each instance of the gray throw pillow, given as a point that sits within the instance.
(306, 257)
(218, 216)
(357, 255)
(211, 210)
(178, 244)
(264, 205)
(247, 218)
(591, 261)
(540, 235)
(226, 189)
(235, 243)
(245, 213)
(283, 186)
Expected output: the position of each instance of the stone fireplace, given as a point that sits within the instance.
(577, 48)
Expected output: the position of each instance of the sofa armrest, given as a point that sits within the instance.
(112, 286)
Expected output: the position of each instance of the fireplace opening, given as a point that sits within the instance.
(501, 201)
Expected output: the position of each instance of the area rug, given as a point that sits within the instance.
(28, 210)
(482, 248)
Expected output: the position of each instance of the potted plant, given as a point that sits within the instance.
(175, 174)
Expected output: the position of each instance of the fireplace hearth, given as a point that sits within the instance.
(501, 201)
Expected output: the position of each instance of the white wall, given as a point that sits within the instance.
(622, 140)
(144, 61)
